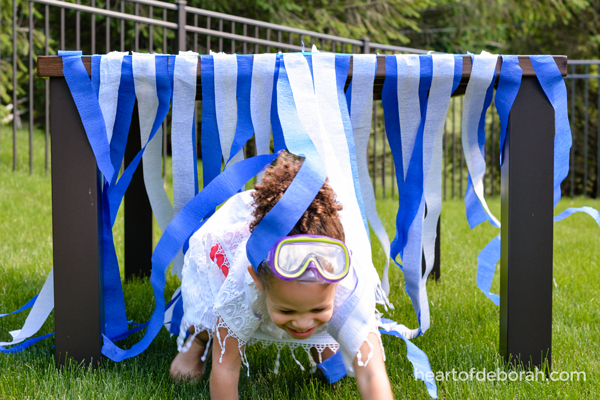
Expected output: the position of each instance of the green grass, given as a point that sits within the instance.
(463, 335)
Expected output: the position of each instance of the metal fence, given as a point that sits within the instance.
(155, 26)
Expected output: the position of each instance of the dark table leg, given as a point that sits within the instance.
(76, 233)
(138, 213)
(527, 211)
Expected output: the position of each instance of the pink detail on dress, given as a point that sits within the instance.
(218, 255)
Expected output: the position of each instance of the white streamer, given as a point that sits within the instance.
(363, 78)
(409, 75)
(482, 74)
(38, 315)
(319, 113)
(433, 132)
(261, 94)
(184, 102)
(226, 103)
(108, 93)
(144, 77)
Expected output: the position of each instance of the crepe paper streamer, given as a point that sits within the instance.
(409, 110)
(360, 103)
(333, 368)
(317, 102)
(278, 139)
(27, 305)
(592, 212)
(244, 129)
(478, 97)
(225, 73)
(95, 76)
(442, 86)
(487, 260)
(509, 83)
(309, 179)
(554, 87)
(419, 360)
(20, 347)
(342, 66)
(182, 138)
(261, 94)
(89, 109)
(144, 74)
(138, 327)
(172, 319)
(183, 224)
(108, 89)
(211, 145)
(164, 91)
(37, 316)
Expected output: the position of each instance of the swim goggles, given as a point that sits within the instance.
(309, 258)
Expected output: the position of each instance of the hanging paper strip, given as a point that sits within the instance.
(225, 73)
(311, 176)
(144, 74)
(360, 104)
(478, 97)
(261, 93)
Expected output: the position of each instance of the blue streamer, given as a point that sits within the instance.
(554, 87)
(88, 107)
(27, 305)
(278, 139)
(333, 368)
(244, 129)
(488, 258)
(163, 89)
(211, 146)
(24, 345)
(180, 228)
(508, 86)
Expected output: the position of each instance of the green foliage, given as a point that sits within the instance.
(380, 20)
(23, 50)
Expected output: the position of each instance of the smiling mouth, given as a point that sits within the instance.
(300, 334)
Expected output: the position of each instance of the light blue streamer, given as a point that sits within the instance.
(419, 360)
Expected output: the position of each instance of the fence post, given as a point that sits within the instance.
(181, 22)
(76, 233)
(526, 246)
(366, 45)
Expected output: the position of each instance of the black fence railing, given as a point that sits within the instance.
(100, 26)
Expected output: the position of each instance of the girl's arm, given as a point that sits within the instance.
(372, 380)
(225, 375)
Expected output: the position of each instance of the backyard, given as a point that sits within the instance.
(464, 333)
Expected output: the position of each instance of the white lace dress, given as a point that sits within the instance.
(216, 287)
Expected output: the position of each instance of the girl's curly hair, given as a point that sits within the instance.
(321, 217)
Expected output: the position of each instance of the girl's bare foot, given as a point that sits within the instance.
(189, 365)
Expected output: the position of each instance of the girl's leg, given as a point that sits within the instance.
(189, 365)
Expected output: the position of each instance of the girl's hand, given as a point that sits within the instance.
(225, 375)
(372, 380)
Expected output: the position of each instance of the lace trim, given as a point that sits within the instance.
(241, 343)
(359, 361)
(183, 347)
(293, 346)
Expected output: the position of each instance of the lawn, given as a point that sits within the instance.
(463, 334)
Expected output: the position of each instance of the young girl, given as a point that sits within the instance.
(306, 293)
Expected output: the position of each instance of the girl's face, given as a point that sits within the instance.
(299, 308)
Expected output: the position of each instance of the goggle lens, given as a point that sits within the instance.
(293, 256)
